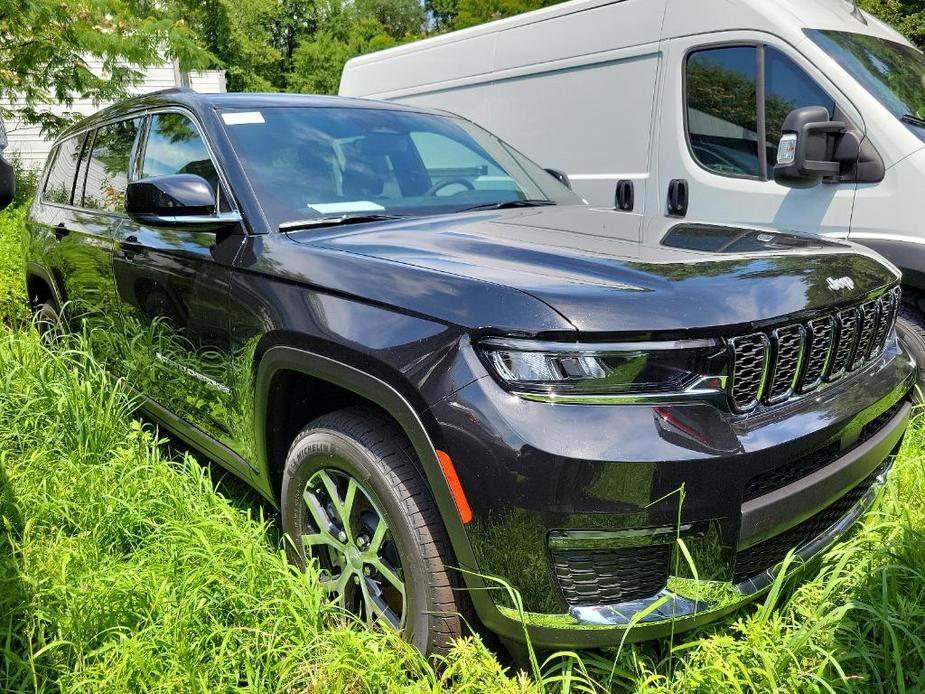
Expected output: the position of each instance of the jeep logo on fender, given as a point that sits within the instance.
(837, 283)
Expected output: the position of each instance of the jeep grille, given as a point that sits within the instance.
(769, 367)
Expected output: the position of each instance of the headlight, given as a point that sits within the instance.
(628, 368)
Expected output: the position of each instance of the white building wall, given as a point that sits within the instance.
(29, 145)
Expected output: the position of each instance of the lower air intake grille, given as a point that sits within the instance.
(794, 470)
(782, 475)
(606, 577)
(769, 553)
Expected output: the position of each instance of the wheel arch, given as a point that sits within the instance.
(41, 284)
(371, 390)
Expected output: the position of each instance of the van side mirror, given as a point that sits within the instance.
(7, 183)
(813, 147)
(175, 199)
(560, 176)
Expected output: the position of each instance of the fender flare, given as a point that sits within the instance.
(392, 401)
(34, 269)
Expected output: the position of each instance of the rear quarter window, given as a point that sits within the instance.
(59, 185)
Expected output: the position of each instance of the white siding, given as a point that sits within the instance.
(28, 144)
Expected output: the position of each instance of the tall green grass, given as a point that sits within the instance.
(125, 566)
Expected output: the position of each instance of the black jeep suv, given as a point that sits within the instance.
(446, 369)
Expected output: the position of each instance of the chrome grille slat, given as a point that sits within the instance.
(889, 306)
(796, 358)
(749, 368)
(819, 334)
(867, 314)
(786, 358)
(846, 324)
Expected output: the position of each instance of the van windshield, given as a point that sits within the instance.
(309, 163)
(892, 72)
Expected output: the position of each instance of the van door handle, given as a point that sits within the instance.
(130, 247)
(624, 198)
(677, 197)
(61, 231)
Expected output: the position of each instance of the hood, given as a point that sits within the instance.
(585, 264)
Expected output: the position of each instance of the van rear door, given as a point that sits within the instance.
(724, 99)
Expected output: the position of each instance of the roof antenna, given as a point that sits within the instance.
(857, 14)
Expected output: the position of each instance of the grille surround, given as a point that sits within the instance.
(773, 366)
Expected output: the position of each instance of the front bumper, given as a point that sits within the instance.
(537, 492)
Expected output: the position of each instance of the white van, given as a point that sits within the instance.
(670, 109)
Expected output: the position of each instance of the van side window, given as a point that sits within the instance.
(60, 182)
(447, 161)
(108, 166)
(786, 87)
(722, 109)
(722, 106)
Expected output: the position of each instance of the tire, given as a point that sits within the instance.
(910, 326)
(362, 447)
(47, 319)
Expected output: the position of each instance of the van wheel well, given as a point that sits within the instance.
(295, 399)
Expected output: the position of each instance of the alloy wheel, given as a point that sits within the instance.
(360, 563)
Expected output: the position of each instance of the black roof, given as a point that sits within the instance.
(200, 103)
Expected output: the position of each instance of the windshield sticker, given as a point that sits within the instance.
(242, 118)
(352, 206)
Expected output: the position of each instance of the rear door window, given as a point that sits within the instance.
(108, 166)
(59, 185)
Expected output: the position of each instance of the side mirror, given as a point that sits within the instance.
(560, 176)
(176, 199)
(813, 147)
(7, 183)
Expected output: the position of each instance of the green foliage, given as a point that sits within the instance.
(14, 308)
(44, 45)
(907, 16)
(344, 32)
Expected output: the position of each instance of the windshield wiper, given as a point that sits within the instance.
(316, 222)
(508, 204)
(913, 120)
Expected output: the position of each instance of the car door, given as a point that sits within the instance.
(724, 101)
(83, 216)
(172, 285)
(91, 233)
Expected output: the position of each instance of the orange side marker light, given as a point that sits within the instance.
(459, 496)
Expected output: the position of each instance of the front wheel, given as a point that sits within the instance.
(910, 327)
(47, 319)
(354, 499)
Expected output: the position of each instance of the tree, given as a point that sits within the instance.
(45, 46)
(240, 37)
(398, 18)
(907, 16)
(344, 31)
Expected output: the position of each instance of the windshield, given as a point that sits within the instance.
(892, 72)
(312, 162)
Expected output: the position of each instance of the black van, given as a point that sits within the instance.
(445, 368)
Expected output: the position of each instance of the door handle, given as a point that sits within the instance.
(61, 231)
(624, 197)
(130, 247)
(677, 197)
